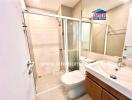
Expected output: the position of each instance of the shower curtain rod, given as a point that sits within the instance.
(52, 15)
(62, 17)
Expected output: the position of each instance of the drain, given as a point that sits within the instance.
(113, 77)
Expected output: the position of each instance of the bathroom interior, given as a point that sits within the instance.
(61, 45)
(72, 55)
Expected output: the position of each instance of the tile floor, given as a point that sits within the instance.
(49, 87)
(58, 94)
(48, 81)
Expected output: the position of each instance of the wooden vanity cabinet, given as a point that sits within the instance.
(99, 90)
(107, 96)
(93, 89)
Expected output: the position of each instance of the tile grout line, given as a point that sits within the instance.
(48, 90)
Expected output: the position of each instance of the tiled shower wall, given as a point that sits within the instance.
(44, 33)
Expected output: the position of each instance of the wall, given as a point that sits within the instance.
(76, 12)
(14, 79)
(71, 11)
(44, 32)
(66, 11)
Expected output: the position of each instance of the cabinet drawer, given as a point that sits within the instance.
(93, 89)
(107, 96)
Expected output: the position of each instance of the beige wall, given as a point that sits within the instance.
(71, 11)
(76, 12)
(66, 11)
(44, 33)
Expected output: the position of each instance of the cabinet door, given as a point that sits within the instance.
(93, 89)
(107, 96)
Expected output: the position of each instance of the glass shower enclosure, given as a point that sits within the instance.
(72, 29)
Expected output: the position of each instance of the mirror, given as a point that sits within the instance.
(98, 38)
(109, 36)
(115, 41)
(85, 37)
(90, 35)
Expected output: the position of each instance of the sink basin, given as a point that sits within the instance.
(104, 69)
(125, 76)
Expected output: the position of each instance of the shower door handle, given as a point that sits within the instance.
(30, 65)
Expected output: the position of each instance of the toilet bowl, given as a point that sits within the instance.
(74, 81)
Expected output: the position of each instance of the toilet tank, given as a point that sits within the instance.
(84, 61)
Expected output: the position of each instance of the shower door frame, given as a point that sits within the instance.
(66, 41)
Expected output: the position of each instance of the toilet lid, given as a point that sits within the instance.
(73, 77)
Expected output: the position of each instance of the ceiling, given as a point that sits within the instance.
(52, 5)
(88, 5)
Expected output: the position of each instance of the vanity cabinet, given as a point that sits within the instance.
(99, 90)
(107, 96)
(93, 89)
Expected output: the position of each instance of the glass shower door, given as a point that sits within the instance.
(72, 31)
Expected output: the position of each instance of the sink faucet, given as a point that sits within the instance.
(121, 62)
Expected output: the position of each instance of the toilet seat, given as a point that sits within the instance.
(72, 78)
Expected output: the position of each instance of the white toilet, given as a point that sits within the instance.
(74, 81)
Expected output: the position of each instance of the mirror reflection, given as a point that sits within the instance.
(98, 38)
(109, 36)
(85, 37)
(115, 42)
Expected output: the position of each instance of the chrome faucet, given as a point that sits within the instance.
(121, 62)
